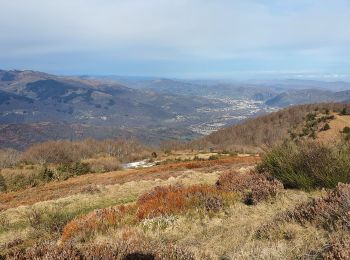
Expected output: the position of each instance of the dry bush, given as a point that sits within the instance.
(122, 250)
(330, 212)
(52, 152)
(103, 164)
(161, 201)
(57, 152)
(171, 200)
(253, 186)
(98, 221)
(337, 248)
(9, 158)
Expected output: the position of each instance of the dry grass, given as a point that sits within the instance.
(96, 197)
(171, 215)
(336, 126)
(55, 190)
(159, 202)
(230, 234)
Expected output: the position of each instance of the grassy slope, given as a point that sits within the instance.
(230, 233)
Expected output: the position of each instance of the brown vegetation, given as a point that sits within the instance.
(330, 212)
(256, 133)
(67, 151)
(171, 200)
(54, 190)
(9, 158)
(129, 247)
(253, 186)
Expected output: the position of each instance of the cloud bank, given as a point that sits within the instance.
(176, 38)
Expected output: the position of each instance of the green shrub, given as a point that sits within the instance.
(326, 127)
(346, 130)
(310, 117)
(213, 157)
(3, 186)
(46, 174)
(76, 168)
(308, 165)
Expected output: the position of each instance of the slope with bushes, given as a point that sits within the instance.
(264, 131)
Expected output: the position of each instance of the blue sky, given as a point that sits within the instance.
(182, 38)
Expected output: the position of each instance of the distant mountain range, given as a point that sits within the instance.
(35, 106)
(278, 93)
(29, 98)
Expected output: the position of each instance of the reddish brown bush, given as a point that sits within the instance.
(253, 186)
(175, 199)
(161, 201)
(99, 220)
(338, 248)
(331, 212)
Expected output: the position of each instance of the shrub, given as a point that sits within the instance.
(346, 130)
(343, 112)
(76, 168)
(254, 187)
(338, 248)
(213, 157)
(49, 220)
(98, 221)
(9, 158)
(51, 152)
(326, 127)
(161, 201)
(3, 186)
(330, 212)
(170, 200)
(126, 249)
(103, 164)
(58, 152)
(308, 165)
(46, 174)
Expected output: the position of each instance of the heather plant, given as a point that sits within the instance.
(171, 200)
(138, 248)
(156, 206)
(308, 165)
(253, 186)
(330, 213)
(337, 248)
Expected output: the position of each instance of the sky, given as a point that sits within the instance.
(178, 38)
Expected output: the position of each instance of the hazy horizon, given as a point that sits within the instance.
(254, 39)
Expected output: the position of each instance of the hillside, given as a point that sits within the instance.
(38, 107)
(307, 96)
(193, 209)
(264, 131)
